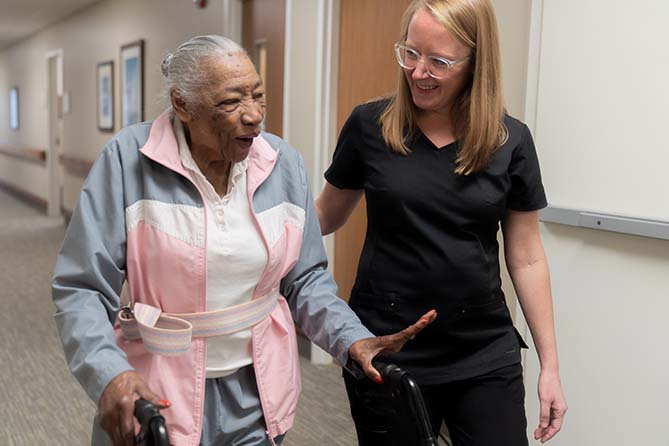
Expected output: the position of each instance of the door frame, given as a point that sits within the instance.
(325, 108)
(323, 26)
(326, 60)
(55, 183)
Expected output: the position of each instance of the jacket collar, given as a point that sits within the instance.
(162, 147)
(262, 159)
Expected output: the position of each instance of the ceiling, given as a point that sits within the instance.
(21, 18)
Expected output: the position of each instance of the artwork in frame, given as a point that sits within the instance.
(132, 83)
(105, 82)
(14, 108)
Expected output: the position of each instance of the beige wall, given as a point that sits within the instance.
(91, 36)
(609, 294)
(513, 17)
(301, 60)
(610, 289)
(32, 178)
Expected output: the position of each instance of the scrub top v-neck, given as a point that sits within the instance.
(431, 242)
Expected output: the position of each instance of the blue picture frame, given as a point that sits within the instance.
(105, 96)
(132, 83)
(14, 108)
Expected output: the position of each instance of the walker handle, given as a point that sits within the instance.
(153, 431)
(405, 389)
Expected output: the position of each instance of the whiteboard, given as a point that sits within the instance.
(598, 102)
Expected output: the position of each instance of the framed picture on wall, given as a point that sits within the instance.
(105, 82)
(14, 108)
(132, 83)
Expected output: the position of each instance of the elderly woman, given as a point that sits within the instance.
(208, 227)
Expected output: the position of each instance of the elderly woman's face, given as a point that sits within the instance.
(231, 110)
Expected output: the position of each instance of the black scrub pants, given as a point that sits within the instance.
(488, 410)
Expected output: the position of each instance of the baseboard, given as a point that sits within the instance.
(29, 198)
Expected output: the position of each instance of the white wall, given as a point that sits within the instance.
(611, 300)
(601, 112)
(611, 305)
(610, 295)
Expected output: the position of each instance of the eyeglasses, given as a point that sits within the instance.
(436, 67)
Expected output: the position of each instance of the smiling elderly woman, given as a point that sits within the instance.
(208, 227)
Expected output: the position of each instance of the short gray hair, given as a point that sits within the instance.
(182, 70)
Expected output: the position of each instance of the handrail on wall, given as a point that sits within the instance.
(606, 222)
(24, 153)
(75, 166)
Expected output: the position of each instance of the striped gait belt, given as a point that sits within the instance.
(170, 334)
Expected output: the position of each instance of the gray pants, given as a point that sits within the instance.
(232, 413)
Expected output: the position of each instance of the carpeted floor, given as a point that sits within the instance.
(42, 404)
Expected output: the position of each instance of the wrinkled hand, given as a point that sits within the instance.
(117, 406)
(552, 406)
(364, 350)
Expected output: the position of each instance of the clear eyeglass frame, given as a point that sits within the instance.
(428, 61)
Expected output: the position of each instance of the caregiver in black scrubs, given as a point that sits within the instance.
(442, 166)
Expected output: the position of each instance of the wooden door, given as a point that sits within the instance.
(263, 37)
(367, 69)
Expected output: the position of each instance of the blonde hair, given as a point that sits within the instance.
(479, 110)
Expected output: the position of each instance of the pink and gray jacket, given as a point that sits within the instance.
(140, 218)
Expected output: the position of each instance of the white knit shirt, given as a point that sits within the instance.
(236, 257)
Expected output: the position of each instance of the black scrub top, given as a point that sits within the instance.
(431, 242)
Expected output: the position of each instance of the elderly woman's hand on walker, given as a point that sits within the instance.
(365, 350)
(117, 406)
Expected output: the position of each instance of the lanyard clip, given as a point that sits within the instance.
(126, 312)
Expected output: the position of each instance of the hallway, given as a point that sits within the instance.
(42, 404)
